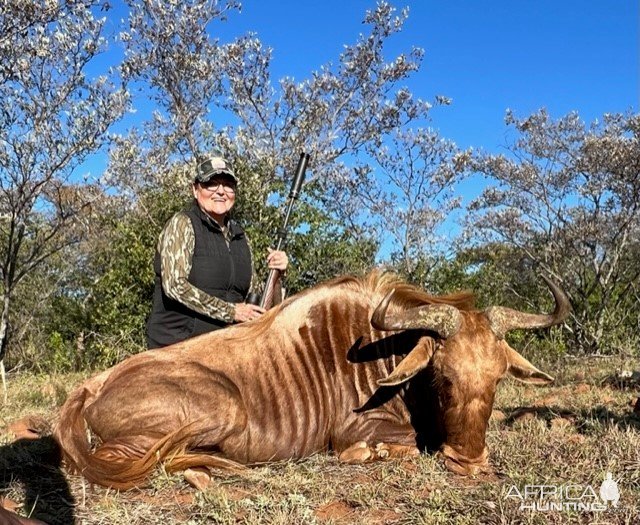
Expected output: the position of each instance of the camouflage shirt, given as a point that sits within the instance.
(176, 246)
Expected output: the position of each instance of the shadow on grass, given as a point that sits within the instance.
(36, 465)
(578, 418)
(630, 383)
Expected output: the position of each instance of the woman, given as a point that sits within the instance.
(203, 263)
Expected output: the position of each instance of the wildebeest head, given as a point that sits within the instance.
(468, 356)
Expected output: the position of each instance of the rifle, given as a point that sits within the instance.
(298, 178)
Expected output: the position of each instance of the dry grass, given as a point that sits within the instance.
(571, 433)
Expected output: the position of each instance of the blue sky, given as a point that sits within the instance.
(564, 55)
(487, 56)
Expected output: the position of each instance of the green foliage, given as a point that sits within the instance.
(501, 275)
(325, 252)
(486, 271)
(118, 277)
(61, 357)
(318, 246)
(121, 297)
(121, 292)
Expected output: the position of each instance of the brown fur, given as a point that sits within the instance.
(301, 379)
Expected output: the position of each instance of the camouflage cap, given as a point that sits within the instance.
(209, 167)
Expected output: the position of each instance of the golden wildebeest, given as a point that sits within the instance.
(369, 368)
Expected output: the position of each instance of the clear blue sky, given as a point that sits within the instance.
(486, 55)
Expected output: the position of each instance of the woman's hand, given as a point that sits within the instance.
(277, 260)
(247, 312)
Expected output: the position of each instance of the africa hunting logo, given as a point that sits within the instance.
(567, 497)
(609, 490)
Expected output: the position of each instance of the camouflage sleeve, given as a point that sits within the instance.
(176, 246)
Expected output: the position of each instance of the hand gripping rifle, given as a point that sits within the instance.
(269, 287)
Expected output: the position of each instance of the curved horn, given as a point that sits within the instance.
(504, 319)
(443, 319)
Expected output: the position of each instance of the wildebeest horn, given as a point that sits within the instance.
(504, 319)
(440, 318)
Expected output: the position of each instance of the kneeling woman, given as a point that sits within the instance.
(203, 263)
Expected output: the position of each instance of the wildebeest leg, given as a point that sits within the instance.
(160, 404)
(392, 450)
(382, 439)
(357, 453)
(125, 447)
(361, 452)
(198, 477)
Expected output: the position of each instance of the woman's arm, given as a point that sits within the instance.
(176, 246)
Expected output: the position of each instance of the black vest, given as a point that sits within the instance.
(218, 269)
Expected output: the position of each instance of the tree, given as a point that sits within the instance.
(119, 278)
(52, 116)
(209, 96)
(339, 113)
(409, 196)
(336, 113)
(179, 68)
(568, 199)
(332, 115)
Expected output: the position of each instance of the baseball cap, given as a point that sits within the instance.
(209, 167)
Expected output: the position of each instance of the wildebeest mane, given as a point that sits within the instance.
(409, 296)
(375, 284)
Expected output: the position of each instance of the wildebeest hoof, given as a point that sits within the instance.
(457, 468)
(382, 450)
(198, 478)
(395, 451)
(357, 453)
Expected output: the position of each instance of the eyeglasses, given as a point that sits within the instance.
(212, 186)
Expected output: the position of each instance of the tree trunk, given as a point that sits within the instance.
(80, 350)
(4, 332)
(4, 326)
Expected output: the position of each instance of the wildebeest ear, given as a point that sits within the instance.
(416, 360)
(523, 370)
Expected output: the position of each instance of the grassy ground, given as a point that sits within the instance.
(570, 434)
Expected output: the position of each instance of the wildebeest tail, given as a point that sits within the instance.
(70, 431)
(120, 465)
(124, 463)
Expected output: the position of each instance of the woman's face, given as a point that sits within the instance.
(216, 196)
